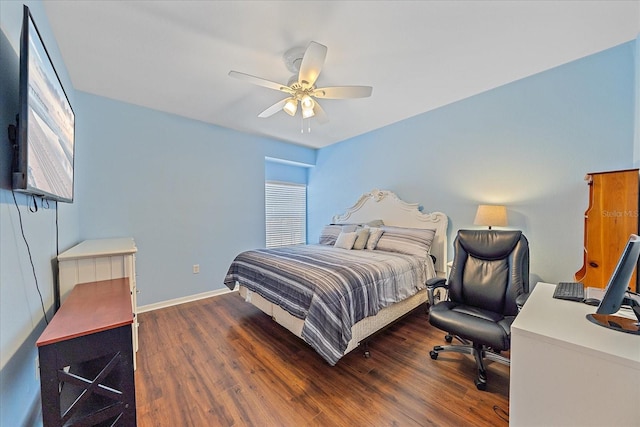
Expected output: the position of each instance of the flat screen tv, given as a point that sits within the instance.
(45, 150)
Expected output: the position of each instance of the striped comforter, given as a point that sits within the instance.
(330, 288)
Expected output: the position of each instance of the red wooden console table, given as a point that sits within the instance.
(86, 358)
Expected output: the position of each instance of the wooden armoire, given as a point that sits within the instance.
(611, 217)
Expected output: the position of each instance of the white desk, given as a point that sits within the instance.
(568, 371)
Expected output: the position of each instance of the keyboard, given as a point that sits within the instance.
(573, 291)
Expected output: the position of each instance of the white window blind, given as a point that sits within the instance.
(286, 213)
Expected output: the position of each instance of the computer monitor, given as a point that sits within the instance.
(617, 289)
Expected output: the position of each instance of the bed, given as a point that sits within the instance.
(337, 293)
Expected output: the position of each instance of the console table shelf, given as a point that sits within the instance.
(86, 358)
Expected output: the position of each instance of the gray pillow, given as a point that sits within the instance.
(329, 234)
(349, 228)
(410, 241)
(372, 223)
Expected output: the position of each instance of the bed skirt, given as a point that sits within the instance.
(360, 331)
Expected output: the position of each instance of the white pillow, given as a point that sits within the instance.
(374, 235)
(361, 240)
(346, 240)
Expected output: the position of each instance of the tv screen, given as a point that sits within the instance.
(46, 123)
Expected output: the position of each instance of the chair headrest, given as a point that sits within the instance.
(489, 244)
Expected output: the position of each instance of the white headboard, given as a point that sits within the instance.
(387, 206)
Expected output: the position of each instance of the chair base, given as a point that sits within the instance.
(479, 352)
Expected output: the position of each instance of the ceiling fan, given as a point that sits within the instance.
(301, 87)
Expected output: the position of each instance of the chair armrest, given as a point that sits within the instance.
(437, 282)
(432, 285)
(521, 299)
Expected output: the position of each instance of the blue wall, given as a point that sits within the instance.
(21, 312)
(527, 144)
(279, 171)
(187, 192)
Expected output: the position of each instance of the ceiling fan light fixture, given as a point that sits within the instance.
(307, 105)
(307, 113)
(307, 102)
(291, 106)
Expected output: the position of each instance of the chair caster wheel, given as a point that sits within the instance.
(367, 354)
(448, 338)
(481, 380)
(433, 354)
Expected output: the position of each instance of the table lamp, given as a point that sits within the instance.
(491, 215)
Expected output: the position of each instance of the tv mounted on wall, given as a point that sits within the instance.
(45, 141)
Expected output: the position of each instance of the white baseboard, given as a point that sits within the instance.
(182, 300)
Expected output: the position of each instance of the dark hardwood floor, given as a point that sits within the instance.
(222, 362)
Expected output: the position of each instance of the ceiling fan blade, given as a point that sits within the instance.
(342, 92)
(273, 109)
(260, 81)
(319, 113)
(312, 63)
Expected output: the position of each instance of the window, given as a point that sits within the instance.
(285, 213)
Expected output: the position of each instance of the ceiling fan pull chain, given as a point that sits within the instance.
(302, 125)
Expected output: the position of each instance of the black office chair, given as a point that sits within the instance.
(488, 283)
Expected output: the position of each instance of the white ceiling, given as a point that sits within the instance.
(174, 56)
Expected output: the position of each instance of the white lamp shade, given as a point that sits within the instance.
(306, 102)
(307, 113)
(307, 105)
(291, 106)
(491, 215)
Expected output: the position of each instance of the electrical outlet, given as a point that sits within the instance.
(196, 268)
(37, 367)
